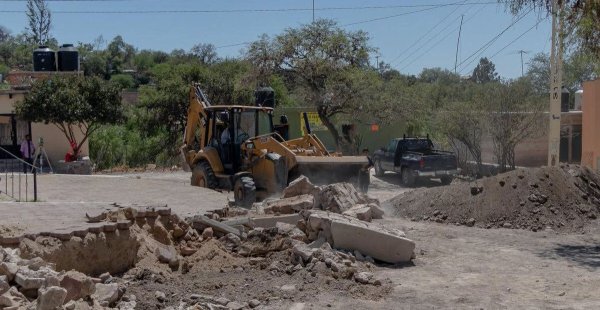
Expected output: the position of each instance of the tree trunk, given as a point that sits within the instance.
(330, 126)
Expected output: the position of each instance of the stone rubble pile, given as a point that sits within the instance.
(341, 198)
(34, 284)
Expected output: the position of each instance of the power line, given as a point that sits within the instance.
(517, 38)
(444, 37)
(418, 11)
(490, 42)
(425, 6)
(423, 36)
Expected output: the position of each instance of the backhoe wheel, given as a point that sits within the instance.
(378, 171)
(203, 176)
(244, 192)
(408, 177)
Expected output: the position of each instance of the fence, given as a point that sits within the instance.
(18, 178)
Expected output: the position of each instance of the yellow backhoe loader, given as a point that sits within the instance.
(235, 147)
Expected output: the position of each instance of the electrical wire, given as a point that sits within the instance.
(444, 37)
(517, 38)
(424, 36)
(484, 47)
(426, 6)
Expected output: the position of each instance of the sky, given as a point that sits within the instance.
(408, 34)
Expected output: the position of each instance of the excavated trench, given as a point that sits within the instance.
(93, 254)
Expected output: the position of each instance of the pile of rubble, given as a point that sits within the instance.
(311, 238)
(34, 284)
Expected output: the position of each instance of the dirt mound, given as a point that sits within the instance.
(564, 199)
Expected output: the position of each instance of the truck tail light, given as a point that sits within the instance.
(422, 163)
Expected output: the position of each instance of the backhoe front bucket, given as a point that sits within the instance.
(323, 170)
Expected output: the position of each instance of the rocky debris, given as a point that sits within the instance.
(34, 284)
(78, 285)
(345, 232)
(207, 233)
(51, 298)
(340, 197)
(13, 299)
(290, 205)
(106, 294)
(365, 212)
(300, 186)
(160, 296)
(565, 198)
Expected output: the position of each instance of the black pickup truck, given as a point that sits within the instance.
(414, 159)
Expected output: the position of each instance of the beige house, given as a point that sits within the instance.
(13, 130)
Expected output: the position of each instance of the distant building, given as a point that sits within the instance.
(13, 130)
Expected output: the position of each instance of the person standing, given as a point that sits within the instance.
(364, 177)
(27, 152)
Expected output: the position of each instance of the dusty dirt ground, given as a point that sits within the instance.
(565, 199)
(456, 267)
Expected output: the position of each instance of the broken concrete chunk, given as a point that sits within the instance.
(4, 286)
(13, 298)
(303, 251)
(165, 254)
(78, 285)
(361, 212)
(290, 205)
(51, 298)
(376, 211)
(204, 221)
(340, 197)
(27, 280)
(300, 186)
(344, 232)
(9, 270)
(363, 277)
(106, 294)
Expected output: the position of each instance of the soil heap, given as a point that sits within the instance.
(565, 198)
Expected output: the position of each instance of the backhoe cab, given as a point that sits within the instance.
(233, 147)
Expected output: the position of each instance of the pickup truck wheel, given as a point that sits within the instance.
(379, 172)
(244, 192)
(446, 180)
(408, 177)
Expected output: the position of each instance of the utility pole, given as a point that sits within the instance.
(377, 66)
(313, 11)
(522, 52)
(556, 52)
(458, 42)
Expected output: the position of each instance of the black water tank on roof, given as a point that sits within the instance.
(265, 96)
(68, 58)
(44, 59)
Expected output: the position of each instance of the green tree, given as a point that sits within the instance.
(319, 59)
(582, 20)
(119, 55)
(123, 81)
(485, 72)
(4, 34)
(40, 21)
(514, 114)
(73, 104)
(206, 53)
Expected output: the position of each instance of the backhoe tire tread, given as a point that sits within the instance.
(244, 192)
(202, 170)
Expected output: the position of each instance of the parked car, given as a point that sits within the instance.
(415, 159)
